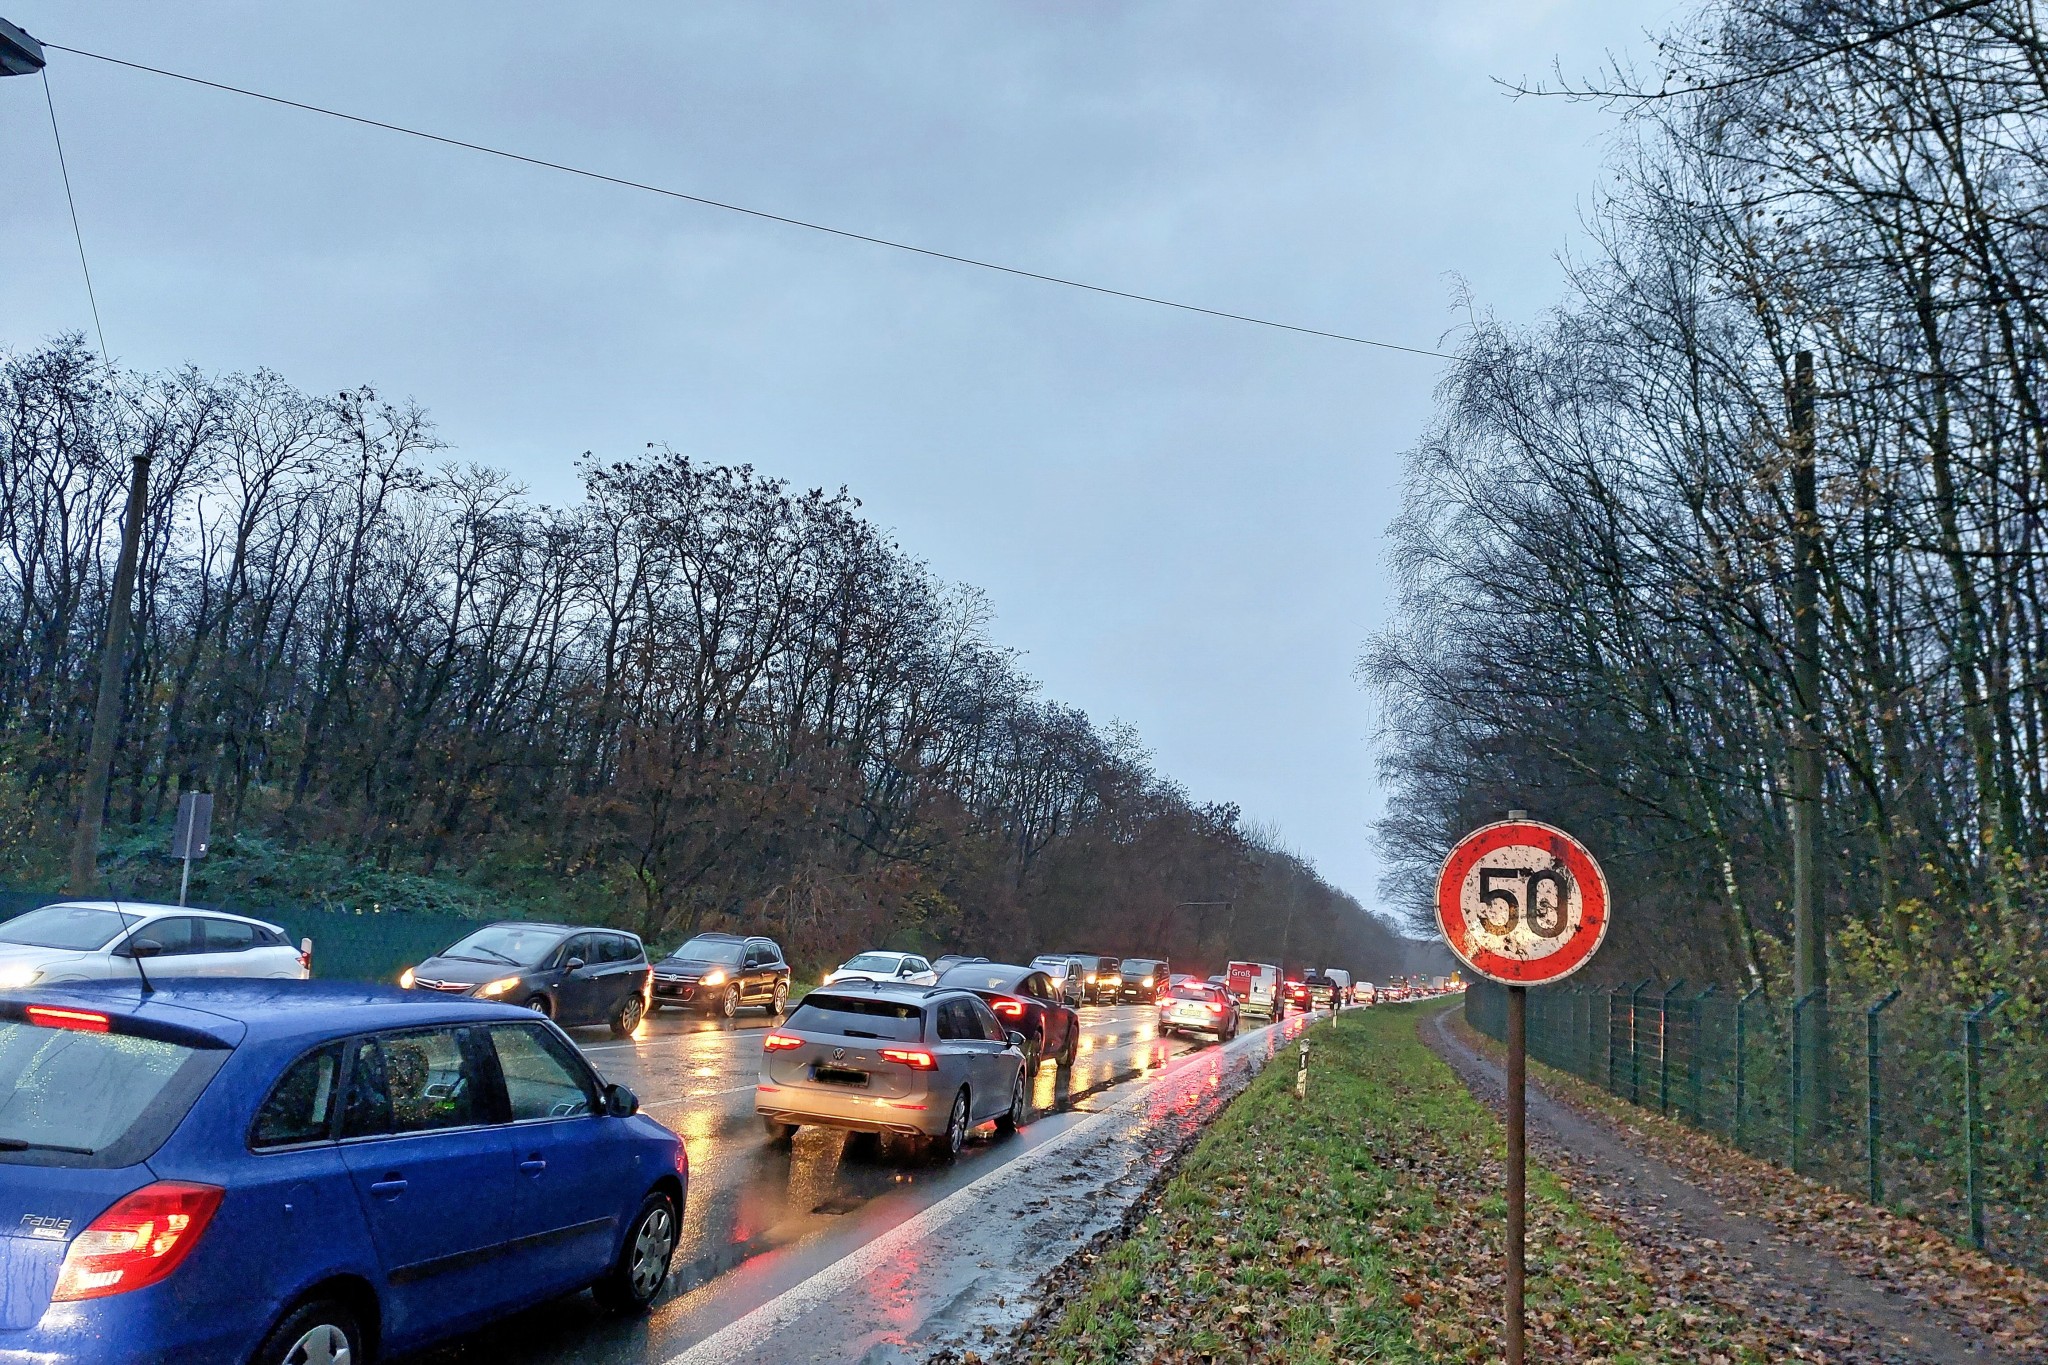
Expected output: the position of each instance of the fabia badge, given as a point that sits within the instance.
(46, 1227)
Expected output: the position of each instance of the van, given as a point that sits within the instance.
(1256, 986)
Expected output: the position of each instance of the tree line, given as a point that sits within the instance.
(695, 698)
(1597, 545)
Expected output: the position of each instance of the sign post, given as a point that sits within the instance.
(194, 833)
(1525, 904)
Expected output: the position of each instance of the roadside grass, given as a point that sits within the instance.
(1361, 1224)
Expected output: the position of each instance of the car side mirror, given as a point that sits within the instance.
(1016, 1040)
(619, 1102)
(574, 964)
(145, 947)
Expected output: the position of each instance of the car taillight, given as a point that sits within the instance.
(1215, 1007)
(1010, 1009)
(917, 1059)
(780, 1042)
(52, 1016)
(137, 1242)
(306, 956)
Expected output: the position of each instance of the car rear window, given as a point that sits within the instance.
(853, 1017)
(70, 1097)
(1195, 990)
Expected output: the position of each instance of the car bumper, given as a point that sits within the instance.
(144, 1328)
(1198, 1021)
(808, 1103)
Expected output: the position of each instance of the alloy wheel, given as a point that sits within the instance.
(653, 1244)
(781, 997)
(324, 1344)
(539, 1005)
(956, 1125)
(731, 1004)
(1020, 1109)
(630, 1015)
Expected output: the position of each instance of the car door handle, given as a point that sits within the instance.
(533, 1165)
(388, 1188)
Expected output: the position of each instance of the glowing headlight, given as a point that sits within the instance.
(498, 987)
(714, 977)
(1091, 978)
(14, 978)
(1146, 982)
(405, 978)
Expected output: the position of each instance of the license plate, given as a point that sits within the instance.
(838, 1075)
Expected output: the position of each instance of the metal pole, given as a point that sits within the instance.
(1664, 1046)
(1973, 1110)
(1742, 1056)
(106, 716)
(1809, 933)
(185, 879)
(1800, 1086)
(1693, 1067)
(1518, 1155)
(1873, 1108)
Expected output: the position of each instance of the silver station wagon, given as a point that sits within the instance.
(907, 1063)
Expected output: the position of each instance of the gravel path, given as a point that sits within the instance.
(1703, 1250)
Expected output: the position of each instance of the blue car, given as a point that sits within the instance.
(306, 1173)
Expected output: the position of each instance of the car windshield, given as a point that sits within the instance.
(66, 1090)
(710, 950)
(80, 928)
(516, 945)
(850, 1016)
(1142, 965)
(873, 962)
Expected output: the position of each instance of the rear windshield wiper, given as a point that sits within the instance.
(859, 1033)
(8, 1144)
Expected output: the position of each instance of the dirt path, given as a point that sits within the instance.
(1701, 1249)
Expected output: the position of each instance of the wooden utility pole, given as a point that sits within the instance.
(106, 718)
(1809, 929)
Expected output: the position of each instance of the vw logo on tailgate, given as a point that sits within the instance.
(838, 1054)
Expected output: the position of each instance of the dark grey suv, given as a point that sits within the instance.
(571, 974)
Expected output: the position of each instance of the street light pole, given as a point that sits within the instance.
(20, 55)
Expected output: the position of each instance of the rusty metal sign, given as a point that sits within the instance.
(1522, 902)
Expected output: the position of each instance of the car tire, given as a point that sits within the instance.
(541, 1005)
(778, 1131)
(780, 1005)
(636, 1278)
(1066, 1059)
(1019, 1112)
(1034, 1055)
(628, 1016)
(321, 1332)
(946, 1146)
(729, 1003)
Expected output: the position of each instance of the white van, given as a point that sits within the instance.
(1342, 979)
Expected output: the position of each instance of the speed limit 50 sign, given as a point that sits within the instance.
(1522, 902)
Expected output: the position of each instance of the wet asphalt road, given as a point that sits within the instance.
(810, 1201)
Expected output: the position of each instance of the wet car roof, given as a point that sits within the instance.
(987, 976)
(233, 1010)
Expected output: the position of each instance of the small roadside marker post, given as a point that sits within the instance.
(1525, 904)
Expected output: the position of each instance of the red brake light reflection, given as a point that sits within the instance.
(917, 1059)
(50, 1016)
(780, 1042)
(137, 1242)
(1010, 1009)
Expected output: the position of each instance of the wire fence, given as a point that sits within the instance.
(350, 943)
(1931, 1111)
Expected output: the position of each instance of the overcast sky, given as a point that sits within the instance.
(1179, 520)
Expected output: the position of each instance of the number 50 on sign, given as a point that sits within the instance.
(1522, 902)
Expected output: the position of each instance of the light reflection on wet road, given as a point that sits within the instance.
(747, 1195)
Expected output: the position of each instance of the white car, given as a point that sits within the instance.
(91, 941)
(905, 969)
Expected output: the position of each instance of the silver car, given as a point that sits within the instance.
(924, 1066)
(101, 941)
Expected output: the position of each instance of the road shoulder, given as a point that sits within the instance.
(1708, 1245)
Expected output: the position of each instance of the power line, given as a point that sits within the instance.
(76, 235)
(845, 233)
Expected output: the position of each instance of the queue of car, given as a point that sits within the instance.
(439, 1153)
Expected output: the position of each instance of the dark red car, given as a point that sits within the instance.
(1028, 1002)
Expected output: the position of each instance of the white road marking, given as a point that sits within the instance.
(785, 1308)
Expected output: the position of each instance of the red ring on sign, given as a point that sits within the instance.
(1592, 884)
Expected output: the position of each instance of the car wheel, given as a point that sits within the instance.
(631, 1010)
(781, 1004)
(730, 1004)
(319, 1333)
(634, 1280)
(1034, 1055)
(539, 1005)
(947, 1145)
(1019, 1112)
(778, 1132)
(1066, 1061)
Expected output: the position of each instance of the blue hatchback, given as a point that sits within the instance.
(305, 1173)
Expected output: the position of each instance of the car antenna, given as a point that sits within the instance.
(147, 989)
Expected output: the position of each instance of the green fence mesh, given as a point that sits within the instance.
(1936, 1113)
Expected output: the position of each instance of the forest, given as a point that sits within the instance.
(696, 698)
(1597, 545)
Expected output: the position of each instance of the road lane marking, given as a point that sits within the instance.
(762, 1322)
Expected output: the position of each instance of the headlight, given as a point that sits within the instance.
(714, 978)
(14, 978)
(1146, 982)
(405, 978)
(1091, 978)
(498, 987)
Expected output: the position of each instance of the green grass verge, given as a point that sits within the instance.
(1363, 1223)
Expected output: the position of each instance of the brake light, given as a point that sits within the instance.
(1215, 1007)
(137, 1242)
(916, 1058)
(1010, 1009)
(780, 1042)
(51, 1016)
(306, 956)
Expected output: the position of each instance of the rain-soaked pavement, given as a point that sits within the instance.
(824, 1250)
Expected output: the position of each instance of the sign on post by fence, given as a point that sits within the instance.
(193, 834)
(1522, 903)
